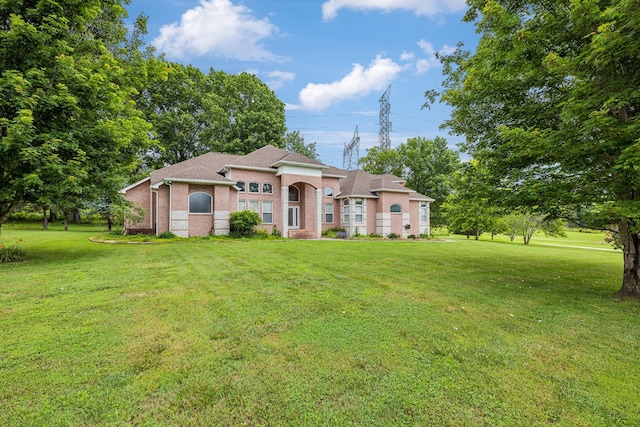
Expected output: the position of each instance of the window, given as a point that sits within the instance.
(254, 205)
(345, 211)
(242, 205)
(359, 210)
(396, 208)
(254, 187)
(199, 203)
(267, 212)
(328, 213)
(328, 192)
(423, 211)
(267, 188)
(241, 186)
(294, 194)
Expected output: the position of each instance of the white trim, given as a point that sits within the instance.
(135, 184)
(200, 181)
(228, 168)
(280, 163)
(299, 170)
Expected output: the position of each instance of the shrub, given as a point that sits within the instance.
(334, 232)
(275, 232)
(243, 223)
(166, 235)
(11, 253)
(393, 236)
(374, 236)
(412, 236)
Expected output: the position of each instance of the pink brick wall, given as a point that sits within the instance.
(140, 195)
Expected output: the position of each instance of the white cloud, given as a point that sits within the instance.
(330, 8)
(359, 82)
(277, 79)
(431, 61)
(217, 28)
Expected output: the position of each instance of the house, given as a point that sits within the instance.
(300, 196)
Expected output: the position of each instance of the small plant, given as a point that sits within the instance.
(393, 236)
(357, 233)
(11, 253)
(166, 235)
(341, 235)
(333, 232)
(374, 236)
(275, 232)
(411, 236)
(244, 223)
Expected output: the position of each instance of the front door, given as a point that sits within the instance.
(294, 217)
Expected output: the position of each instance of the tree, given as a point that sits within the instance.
(528, 224)
(294, 143)
(194, 113)
(68, 124)
(471, 206)
(549, 102)
(426, 164)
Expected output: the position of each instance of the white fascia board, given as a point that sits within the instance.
(228, 168)
(391, 190)
(299, 170)
(135, 184)
(298, 164)
(197, 181)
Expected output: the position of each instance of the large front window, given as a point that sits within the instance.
(200, 203)
(423, 211)
(328, 213)
(267, 212)
(294, 194)
(358, 210)
(345, 211)
(254, 205)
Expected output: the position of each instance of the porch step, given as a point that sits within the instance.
(302, 234)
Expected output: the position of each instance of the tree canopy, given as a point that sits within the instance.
(194, 113)
(549, 103)
(68, 125)
(294, 143)
(426, 164)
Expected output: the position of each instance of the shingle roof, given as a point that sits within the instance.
(363, 184)
(204, 167)
(333, 171)
(268, 156)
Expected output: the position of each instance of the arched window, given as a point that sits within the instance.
(294, 194)
(267, 188)
(396, 208)
(200, 203)
(241, 186)
(254, 187)
(328, 192)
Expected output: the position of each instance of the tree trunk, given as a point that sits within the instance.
(66, 222)
(76, 216)
(477, 233)
(4, 216)
(45, 219)
(631, 253)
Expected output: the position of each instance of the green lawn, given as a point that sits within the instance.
(331, 333)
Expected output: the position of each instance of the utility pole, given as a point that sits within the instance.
(347, 156)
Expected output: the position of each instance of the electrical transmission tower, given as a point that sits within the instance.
(347, 158)
(385, 124)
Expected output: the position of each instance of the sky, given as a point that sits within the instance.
(329, 61)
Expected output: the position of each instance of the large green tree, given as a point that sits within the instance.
(550, 102)
(294, 143)
(426, 164)
(194, 113)
(68, 125)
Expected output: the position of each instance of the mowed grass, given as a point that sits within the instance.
(318, 333)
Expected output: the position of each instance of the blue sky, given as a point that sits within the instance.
(329, 61)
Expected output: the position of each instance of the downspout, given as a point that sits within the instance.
(170, 202)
